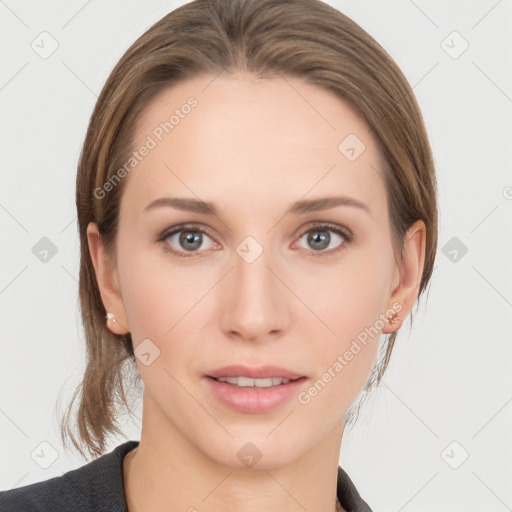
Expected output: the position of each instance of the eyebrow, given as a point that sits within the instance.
(298, 208)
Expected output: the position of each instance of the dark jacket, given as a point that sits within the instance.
(98, 487)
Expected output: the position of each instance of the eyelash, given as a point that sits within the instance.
(319, 226)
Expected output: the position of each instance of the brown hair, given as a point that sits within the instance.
(269, 38)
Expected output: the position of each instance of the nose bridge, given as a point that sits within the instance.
(251, 267)
(254, 306)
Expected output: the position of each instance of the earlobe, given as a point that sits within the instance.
(108, 282)
(410, 274)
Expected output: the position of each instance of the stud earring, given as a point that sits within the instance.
(111, 316)
(392, 317)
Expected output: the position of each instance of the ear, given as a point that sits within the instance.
(108, 282)
(408, 275)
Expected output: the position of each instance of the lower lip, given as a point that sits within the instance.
(253, 399)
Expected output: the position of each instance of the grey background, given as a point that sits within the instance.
(447, 393)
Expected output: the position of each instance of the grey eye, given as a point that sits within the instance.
(188, 240)
(320, 239)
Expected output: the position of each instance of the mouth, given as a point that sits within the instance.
(264, 376)
(254, 390)
(248, 382)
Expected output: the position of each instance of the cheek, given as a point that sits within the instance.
(152, 289)
(350, 299)
(162, 299)
(351, 295)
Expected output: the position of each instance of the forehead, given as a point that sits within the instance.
(237, 135)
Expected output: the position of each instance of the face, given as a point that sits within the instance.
(258, 282)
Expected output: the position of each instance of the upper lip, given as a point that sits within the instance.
(260, 372)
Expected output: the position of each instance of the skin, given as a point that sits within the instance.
(252, 147)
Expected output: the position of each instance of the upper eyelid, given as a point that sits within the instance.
(329, 226)
(186, 227)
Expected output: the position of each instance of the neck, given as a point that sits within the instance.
(167, 472)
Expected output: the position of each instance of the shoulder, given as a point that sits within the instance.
(348, 495)
(96, 486)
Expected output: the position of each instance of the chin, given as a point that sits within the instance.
(257, 451)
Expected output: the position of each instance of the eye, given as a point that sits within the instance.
(187, 239)
(319, 238)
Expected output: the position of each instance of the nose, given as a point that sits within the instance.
(254, 301)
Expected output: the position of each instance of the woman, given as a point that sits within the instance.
(256, 200)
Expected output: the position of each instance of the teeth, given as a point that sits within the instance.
(259, 383)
